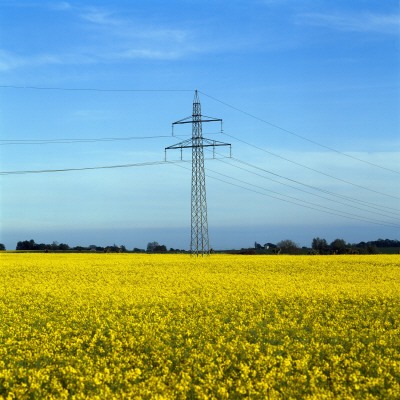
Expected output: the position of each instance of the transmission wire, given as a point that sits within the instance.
(87, 168)
(290, 201)
(311, 169)
(297, 135)
(93, 89)
(5, 142)
(305, 201)
(314, 194)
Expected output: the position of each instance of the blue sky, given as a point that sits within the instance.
(327, 71)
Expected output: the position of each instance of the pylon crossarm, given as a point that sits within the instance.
(196, 120)
(212, 118)
(214, 143)
(181, 121)
(188, 144)
(180, 145)
(191, 119)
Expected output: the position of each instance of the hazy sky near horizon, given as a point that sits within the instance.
(326, 72)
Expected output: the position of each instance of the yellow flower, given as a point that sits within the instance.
(123, 326)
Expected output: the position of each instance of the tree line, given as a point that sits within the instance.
(321, 246)
(318, 246)
(31, 245)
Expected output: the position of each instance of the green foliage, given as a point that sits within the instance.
(339, 246)
(288, 247)
(320, 245)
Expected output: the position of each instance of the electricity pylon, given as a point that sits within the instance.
(199, 243)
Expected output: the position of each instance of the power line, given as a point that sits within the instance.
(335, 212)
(93, 89)
(211, 97)
(316, 195)
(299, 136)
(87, 168)
(307, 202)
(343, 197)
(8, 142)
(311, 169)
(42, 171)
(347, 198)
(5, 142)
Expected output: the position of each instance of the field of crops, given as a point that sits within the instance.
(169, 326)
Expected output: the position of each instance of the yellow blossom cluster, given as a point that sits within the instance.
(130, 326)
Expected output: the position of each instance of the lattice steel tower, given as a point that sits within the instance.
(199, 243)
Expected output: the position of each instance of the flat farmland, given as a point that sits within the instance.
(124, 326)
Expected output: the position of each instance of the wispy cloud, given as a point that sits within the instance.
(100, 17)
(108, 35)
(60, 6)
(150, 54)
(109, 24)
(10, 61)
(366, 22)
(127, 38)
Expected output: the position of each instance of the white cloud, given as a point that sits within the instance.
(366, 22)
(150, 54)
(61, 6)
(108, 36)
(9, 61)
(97, 16)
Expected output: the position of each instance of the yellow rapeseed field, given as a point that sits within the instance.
(125, 326)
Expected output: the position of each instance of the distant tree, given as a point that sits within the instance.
(123, 249)
(372, 249)
(160, 248)
(151, 246)
(270, 246)
(63, 247)
(366, 248)
(137, 250)
(385, 243)
(339, 246)
(288, 247)
(26, 245)
(257, 246)
(320, 245)
(2, 247)
(313, 252)
(79, 248)
(92, 247)
(114, 248)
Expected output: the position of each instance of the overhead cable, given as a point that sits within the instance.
(144, 164)
(312, 169)
(5, 142)
(299, 136)
(317, 195)
(93, 89)
(338, 213)
(308, 202)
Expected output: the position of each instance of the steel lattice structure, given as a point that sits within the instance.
(199, 243)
